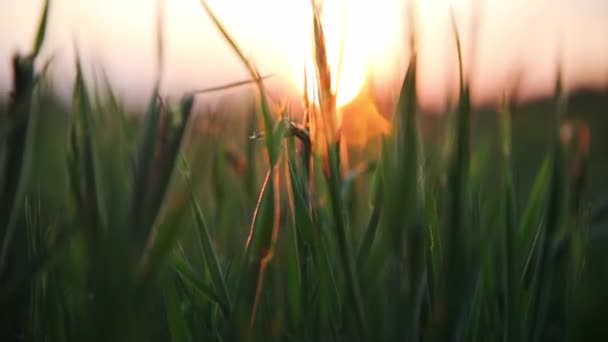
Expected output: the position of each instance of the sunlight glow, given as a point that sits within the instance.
(355, 31)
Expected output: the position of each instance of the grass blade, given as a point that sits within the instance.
(93, 180)
(42, 26)
(177, 322)
(208, 249)
(142, 173)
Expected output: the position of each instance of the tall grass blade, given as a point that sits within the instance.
(255, 75)
(41, 32)
(211, 258)
(19, 140)
(17, 170)
(532, 217)
(455, 266)
(343, 235)
(91, 169)
(511, 328)
(545, 286)
(142, 174)
(180, 331)
(164, 170)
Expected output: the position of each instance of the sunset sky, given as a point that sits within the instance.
(119, 35)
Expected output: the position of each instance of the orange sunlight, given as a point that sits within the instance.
(355, 38)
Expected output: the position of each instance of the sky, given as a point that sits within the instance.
(514, 37)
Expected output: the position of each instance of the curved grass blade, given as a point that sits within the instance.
(41, 32)
(255, 75)
(228, 86)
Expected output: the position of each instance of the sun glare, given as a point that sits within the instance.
(355, 31)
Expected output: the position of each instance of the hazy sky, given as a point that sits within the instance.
(119, 35)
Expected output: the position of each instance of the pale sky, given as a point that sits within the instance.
(119, 35)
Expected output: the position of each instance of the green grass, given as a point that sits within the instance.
(115, 228)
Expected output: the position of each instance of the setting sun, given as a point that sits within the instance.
(355, 35)
(346, 56)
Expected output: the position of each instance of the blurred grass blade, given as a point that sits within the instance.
(532, 212)
(456, 268)
(91, 169)
(211, 257)
(532, 216)
(160, 46)
(165, 167)
(19, 138)
(185, 271)
(142, 216)
(255, 75)
(343, 235)
(511, 328)
(228, 86)
(208, 249)
(555, 219)
(18, 164)
(42, 27)
(372, 227)
(142, 173)
(177, 322)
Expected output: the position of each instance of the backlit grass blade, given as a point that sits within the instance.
(228, 86)
(255, 75)
(266, 236)
(41, 32)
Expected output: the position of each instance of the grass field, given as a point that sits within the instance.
(478, 226)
